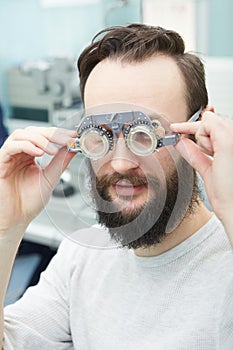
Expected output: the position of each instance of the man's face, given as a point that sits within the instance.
(139, 197)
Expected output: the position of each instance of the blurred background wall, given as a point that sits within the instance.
(32, 30)
(37, 29)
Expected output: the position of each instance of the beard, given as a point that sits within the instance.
(169, 201)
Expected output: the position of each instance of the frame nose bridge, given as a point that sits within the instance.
(117, 131)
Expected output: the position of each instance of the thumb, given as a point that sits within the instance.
(57, 165)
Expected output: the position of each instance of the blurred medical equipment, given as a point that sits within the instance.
(44, 91)
(69, 209)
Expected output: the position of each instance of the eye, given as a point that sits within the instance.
(95, 142)
(142, 137)
(141, 140)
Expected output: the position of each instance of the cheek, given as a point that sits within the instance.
(101, 166)
(158, 164)
(161, 164)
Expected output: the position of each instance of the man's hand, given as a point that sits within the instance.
(24, 186)
(212, 157)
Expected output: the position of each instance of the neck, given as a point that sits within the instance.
(187, 228)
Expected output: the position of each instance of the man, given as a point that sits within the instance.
(171, 285)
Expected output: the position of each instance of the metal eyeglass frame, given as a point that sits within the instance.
(110, 125)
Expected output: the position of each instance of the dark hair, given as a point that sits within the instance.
(137, 42)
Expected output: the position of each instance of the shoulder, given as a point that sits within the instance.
(215, 230)
(86, 245)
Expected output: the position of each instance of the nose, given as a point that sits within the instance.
(122, 159)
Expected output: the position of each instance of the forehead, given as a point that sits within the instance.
(156, 84)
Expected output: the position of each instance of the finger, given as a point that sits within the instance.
(205, 145)
(35, 138)
(57, 165)
(219, 131)
(59, 136)
(213, 134)
(45, 138)
(185, 128)
(17, 147)
(193, 155)
(55, 135)
(193, 127)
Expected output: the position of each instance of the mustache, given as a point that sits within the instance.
(113, 179)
